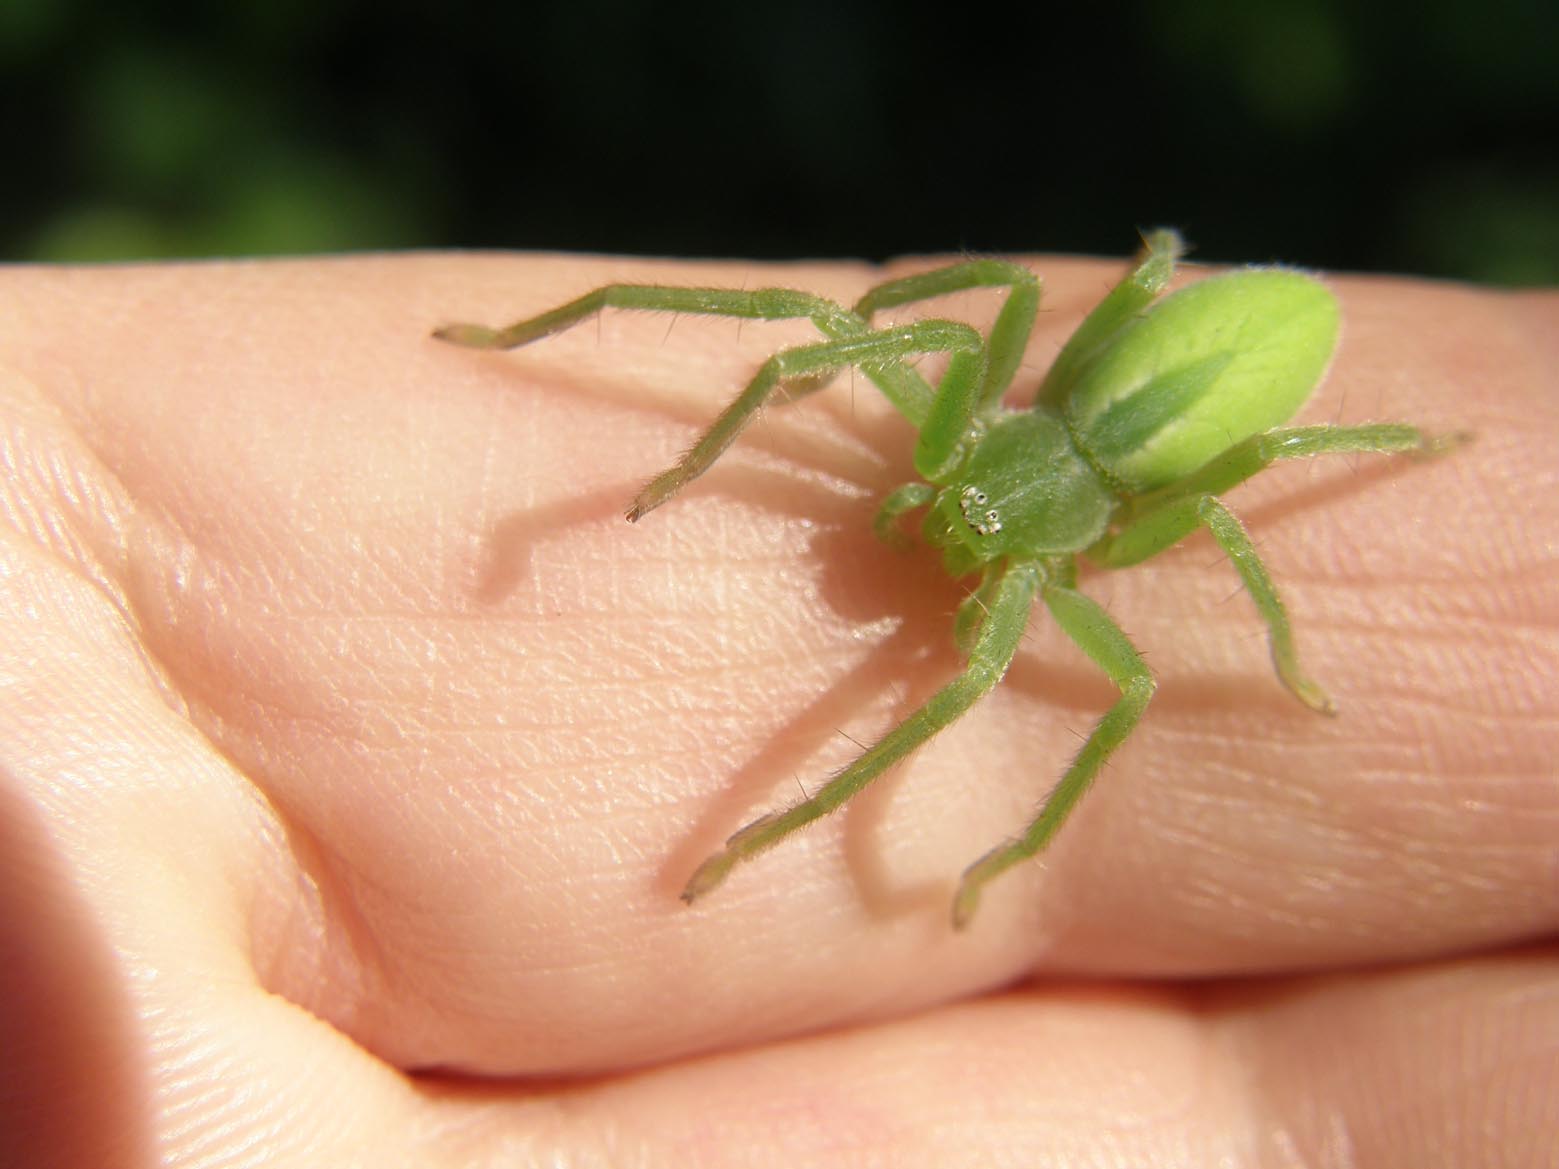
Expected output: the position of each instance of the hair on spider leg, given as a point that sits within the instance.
(844, 734)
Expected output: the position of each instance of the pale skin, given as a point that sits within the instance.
(349, 733)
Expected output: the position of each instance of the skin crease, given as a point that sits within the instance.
(353, 751)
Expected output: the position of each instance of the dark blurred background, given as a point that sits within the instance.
(1338, 133)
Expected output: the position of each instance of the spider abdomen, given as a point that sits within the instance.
(1199, 371)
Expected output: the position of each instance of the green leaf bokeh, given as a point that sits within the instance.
(1384, 136)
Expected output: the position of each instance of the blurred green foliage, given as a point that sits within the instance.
(1382, 136)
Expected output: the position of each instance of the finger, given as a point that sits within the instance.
(1396, 1067)
(497, 729)
(1447, 1064)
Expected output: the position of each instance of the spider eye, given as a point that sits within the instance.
(970, 501)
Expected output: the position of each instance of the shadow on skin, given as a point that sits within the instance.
(69, 1093)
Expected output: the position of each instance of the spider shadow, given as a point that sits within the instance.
(867, 584)
(836, 489)
(506, 565)
(1352, 476)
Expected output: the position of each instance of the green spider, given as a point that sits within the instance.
(1152, 410)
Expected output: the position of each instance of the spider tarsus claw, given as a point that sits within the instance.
(738, 847)
(471, 336)
(965, 902)
(1314, 697)
(1302, 688)
(1443, 443)
(641, 506)
(967, 899)
(707, 876)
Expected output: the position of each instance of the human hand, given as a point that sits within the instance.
(355, 750)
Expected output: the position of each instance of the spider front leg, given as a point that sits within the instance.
(900, 502)
(952, 403)
(761, 304)
(1009, 335)
(1010, 603)
(1005, 344)
(906, 390)
(1163, 518)
(1096, 633)
(942, 418)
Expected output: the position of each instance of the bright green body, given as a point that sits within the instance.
(991, 509)
(1150, 411)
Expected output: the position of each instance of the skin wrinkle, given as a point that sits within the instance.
(142, 552)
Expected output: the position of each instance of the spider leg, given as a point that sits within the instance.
(974, 608)
(1005, 344)
(1162, 518)
(900, 501)
(763, 304)
(1206, 511)
(1010, 603)
(1097, 634)
(1156, 520)
(880, 348)
(1161, 250)
(1009, 334)
(904, 388)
